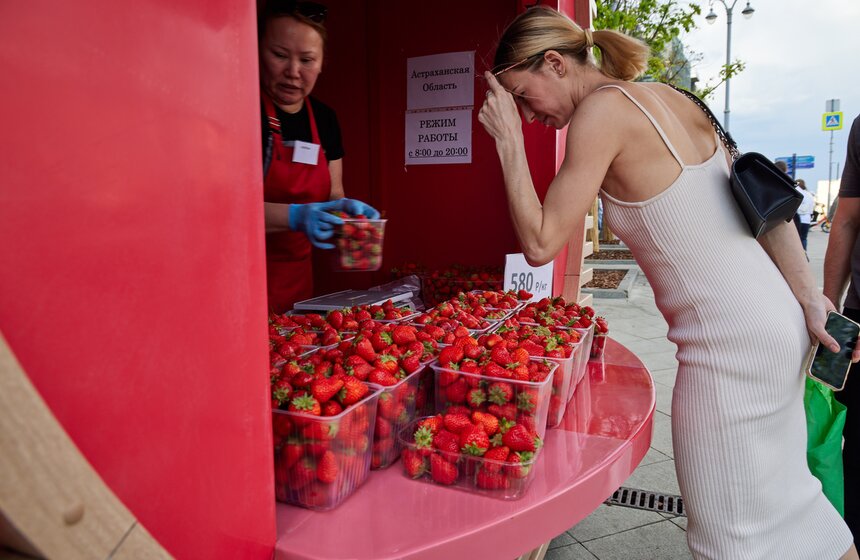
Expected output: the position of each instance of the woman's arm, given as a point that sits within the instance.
(335, 170)
(782, 244)
(277, 216)
(840, 243)
(544, 229)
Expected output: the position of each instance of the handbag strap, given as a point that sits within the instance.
(724, 135)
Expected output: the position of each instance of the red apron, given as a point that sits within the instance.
(288, 253)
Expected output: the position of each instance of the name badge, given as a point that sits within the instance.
(305, 152)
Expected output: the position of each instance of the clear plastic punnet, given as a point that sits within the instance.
(321, 460)
(398, 406)
(504, 480)
(358, 244)
(524, 402)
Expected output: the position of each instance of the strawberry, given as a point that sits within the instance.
(281, 391)
(450, 355)
(500, 355)
(316, 448)
(305, 404)
(457, 391)
(517, 469)
(435, 423)
(302, 474)
(324, 389)
(423, 438)
(487, 421)
(353, 391)
(291, 452)
(327, 468)
(380, 340)
(518, 438)
(500, 392)
(382, 429)
(442, 471)
(456, 422)
(474, 440)
(491, 480)
(320, 430)
(526, 401)
(403, 334)
(446, 441)
(282, 426)
(520, 355)
(335, 319)
(365, 349)
(476, 397)
(331, 408)
(410, 363)
(414, 464)
(382, 377)
(507, 411)
(494, 457)
(386, 362)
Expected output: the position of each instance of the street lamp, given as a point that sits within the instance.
(711, 18)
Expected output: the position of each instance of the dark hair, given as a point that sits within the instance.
(541, 29)
(312, 14)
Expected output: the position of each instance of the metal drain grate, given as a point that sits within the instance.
(642, 499)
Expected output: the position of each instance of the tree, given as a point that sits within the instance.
(659, 24)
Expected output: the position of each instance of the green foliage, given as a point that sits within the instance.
(659, 23)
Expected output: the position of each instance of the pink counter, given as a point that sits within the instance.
(605, 434)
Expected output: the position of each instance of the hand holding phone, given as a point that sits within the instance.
(828, 367)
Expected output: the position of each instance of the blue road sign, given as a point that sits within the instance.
(798, 162)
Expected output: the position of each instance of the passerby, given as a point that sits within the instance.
(738, 421)
(804, 212)
(841, 265)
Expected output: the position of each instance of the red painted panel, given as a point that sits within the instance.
(131, 234)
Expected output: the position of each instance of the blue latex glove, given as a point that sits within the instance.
(316, 221)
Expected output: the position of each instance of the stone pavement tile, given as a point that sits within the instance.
(608, 520)
(665, 376)
(656, 477)
(659, 358)
(658, 541)
(661, 435)
(653, 456)
(563, 539)
(663, 394)
(571, 552)
(641, 346)
(680, 522)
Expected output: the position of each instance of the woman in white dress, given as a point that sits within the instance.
(741, 311)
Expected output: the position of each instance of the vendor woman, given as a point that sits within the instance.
(302, 150)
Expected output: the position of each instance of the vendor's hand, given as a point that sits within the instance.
(355, 207)
(499, 114)
(316, 221)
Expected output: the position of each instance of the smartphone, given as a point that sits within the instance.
(831, 368)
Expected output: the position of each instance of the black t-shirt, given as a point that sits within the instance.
(297, 126)
(850, 188)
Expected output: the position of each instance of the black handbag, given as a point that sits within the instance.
(766, 196)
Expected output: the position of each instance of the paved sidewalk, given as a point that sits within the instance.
(620, 533)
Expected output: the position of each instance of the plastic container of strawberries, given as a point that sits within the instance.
(598, 344)
(321, 460)
(531, 398)
(358, 245)
(398, 406)
(501, 480)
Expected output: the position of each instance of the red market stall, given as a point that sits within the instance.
(133, 286)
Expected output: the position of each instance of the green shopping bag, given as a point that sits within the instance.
(825, 419)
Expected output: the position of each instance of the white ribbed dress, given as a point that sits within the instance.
(738, 421)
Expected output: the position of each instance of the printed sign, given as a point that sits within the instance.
(439, 137)
(520, 275)
(831, 121)
(440, 80)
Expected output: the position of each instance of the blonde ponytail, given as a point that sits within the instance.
(541, 29)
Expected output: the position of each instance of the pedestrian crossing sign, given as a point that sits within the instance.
(831, 121)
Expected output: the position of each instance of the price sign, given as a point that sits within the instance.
(519, 275)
